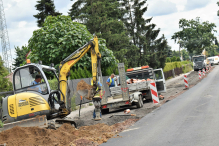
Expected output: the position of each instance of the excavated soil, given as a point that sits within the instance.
(93, 133)
(82, 85)
(66, 135)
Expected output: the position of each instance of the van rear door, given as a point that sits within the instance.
(160, 80)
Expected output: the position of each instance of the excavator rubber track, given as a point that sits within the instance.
(39, 121)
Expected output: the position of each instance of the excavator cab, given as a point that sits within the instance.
(31, 93)
(34, 78)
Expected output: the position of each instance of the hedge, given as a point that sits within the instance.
(172, 65)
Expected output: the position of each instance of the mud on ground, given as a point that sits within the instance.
(66, 135)
(92, 132)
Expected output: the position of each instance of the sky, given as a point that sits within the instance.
(166, 15)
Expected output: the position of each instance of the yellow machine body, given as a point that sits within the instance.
(26, 103)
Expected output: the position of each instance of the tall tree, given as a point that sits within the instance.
(20, 56)
(147, 47)
(195, 35)
(59, 37)
(45, 8)
(104, 18)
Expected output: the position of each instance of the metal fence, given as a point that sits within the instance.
(73, 88)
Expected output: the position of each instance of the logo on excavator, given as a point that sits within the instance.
(22, 103)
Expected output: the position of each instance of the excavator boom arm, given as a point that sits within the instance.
(72, 59)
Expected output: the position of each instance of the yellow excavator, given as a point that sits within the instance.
(35, 103)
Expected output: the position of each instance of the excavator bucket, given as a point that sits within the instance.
(85, 90)
(39, 121)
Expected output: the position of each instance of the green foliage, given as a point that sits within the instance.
(5, 85)
(146, 48)
(45, 8)
(185, 54)
(172, 65)
(173, 59)
(212, 50)
(20, 56)
(73, 104)
(53, 84)
(80, 73)
(1, 124)
(186, 62)
(195, 35)
(59, 37)
(187, 68)
(103, 18)
(178, 59)
(168, 59)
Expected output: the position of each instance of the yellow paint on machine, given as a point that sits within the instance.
(26, 103)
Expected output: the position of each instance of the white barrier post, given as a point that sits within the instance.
(200, 74)
(203, 72)
(154, 93)
(186, 81)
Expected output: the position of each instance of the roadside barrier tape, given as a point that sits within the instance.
(186, 81)
(154, 93)
(200, 74)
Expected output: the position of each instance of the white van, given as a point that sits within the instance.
(216, 58)
(213, 60)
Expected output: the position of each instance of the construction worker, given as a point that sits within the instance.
(97, 103)
(37, 80)
(110, 81)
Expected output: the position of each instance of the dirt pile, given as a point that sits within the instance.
(66, 135)
(82, 85)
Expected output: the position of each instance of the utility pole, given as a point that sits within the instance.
(6, 51)
(179, 48)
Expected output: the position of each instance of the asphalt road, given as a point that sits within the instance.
(191, 119)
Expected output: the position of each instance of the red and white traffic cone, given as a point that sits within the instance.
(154, 93)
(206, 69)
(200, 74)
(203, 72)
(186, 81)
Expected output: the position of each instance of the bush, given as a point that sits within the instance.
(168, 59)
(173, 59)
(53, 84)
(172, 65)
(80, 73)
(178, 59)
(187, 68)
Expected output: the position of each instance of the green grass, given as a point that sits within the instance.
(187, 68)
(1, 124)
(171, 65)
(73, 104)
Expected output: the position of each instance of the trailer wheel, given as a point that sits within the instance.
(139, 104)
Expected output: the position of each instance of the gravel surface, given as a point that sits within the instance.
(174, 86)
